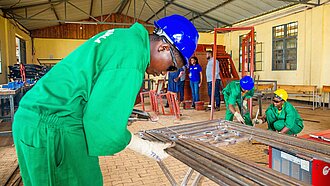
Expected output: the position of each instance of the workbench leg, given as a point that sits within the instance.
(167, 173)
(197, 179)
(187, 177)
(12, 109)
(260, 105)
(2, 107)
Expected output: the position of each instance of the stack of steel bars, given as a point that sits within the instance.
(228, 169)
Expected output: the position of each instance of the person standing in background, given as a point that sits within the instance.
(209, 69)
(195, 75)
(180, 79)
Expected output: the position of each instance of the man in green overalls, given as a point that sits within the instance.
(237, 92)
(281, 116)
(79, 110)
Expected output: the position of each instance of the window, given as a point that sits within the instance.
(20, 51)
(257, 54)
(285, 46)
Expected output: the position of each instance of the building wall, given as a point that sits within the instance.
(313, 56)
(8, 33)
(54, 48)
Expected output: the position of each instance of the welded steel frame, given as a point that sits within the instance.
(249, 42)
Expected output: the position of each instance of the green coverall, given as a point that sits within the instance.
(80, 108)
(287, 117)
(233, 94)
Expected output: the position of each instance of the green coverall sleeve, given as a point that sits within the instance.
(108, 109)
(290, 117)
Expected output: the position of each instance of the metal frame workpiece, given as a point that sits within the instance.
(223, 167)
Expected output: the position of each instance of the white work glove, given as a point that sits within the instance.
(154, 150)
(257, 121)
(245, 104)
(239, 117)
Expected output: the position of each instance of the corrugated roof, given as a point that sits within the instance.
(205, 14)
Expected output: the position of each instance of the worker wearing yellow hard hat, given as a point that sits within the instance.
(281, 116)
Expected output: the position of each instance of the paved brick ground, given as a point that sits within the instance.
(129, 168)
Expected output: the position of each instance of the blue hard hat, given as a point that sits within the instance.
(247, 83)
(180, 32)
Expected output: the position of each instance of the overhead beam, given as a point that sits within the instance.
(83, 12)
(35, 5)
(161, 9)
(122, 6)
(197, 13)
(91, 7)
(54, 11)
(76, 22)
(212, 9)
(301, 2)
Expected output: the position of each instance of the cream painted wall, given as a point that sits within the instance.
(54, 48)
(208, 38)
(8, 33)
(325, 75)
(313, 52)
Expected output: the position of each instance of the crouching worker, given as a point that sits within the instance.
(237, 92)
(281, 116)
(79, 110)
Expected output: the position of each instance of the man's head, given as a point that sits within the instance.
(209, 55)
(246, 83)
(280, 96)
(172, 44)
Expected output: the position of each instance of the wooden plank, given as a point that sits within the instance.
(298, 88)
(262, 87)
(325, 88)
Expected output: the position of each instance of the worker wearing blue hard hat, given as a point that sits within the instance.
(80, 108)
(237, 93)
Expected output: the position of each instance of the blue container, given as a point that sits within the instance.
(11, 85)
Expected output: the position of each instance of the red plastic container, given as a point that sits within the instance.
(187, 104)
(199, 105)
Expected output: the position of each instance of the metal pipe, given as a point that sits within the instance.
(167, 173)
(283, 138)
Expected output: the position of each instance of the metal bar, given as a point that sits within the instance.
(91, 7)
(187, 176)
(83, 11)
(299, 2)
(227, 160)
(101, 10)
(285, 139)
(144, 4)
(211, 9)
(167, 173)
(209, 17)
(44, 10)
(248, 168)
(161, 9)
(81, 22)
(150, 8)
(219, 161)
(34, 5)
(197, 179)
(123, 4)
(232, 169)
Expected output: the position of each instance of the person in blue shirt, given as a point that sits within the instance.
(180, 80)
(195, 75)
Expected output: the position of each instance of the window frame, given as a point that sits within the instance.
(284, 56)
